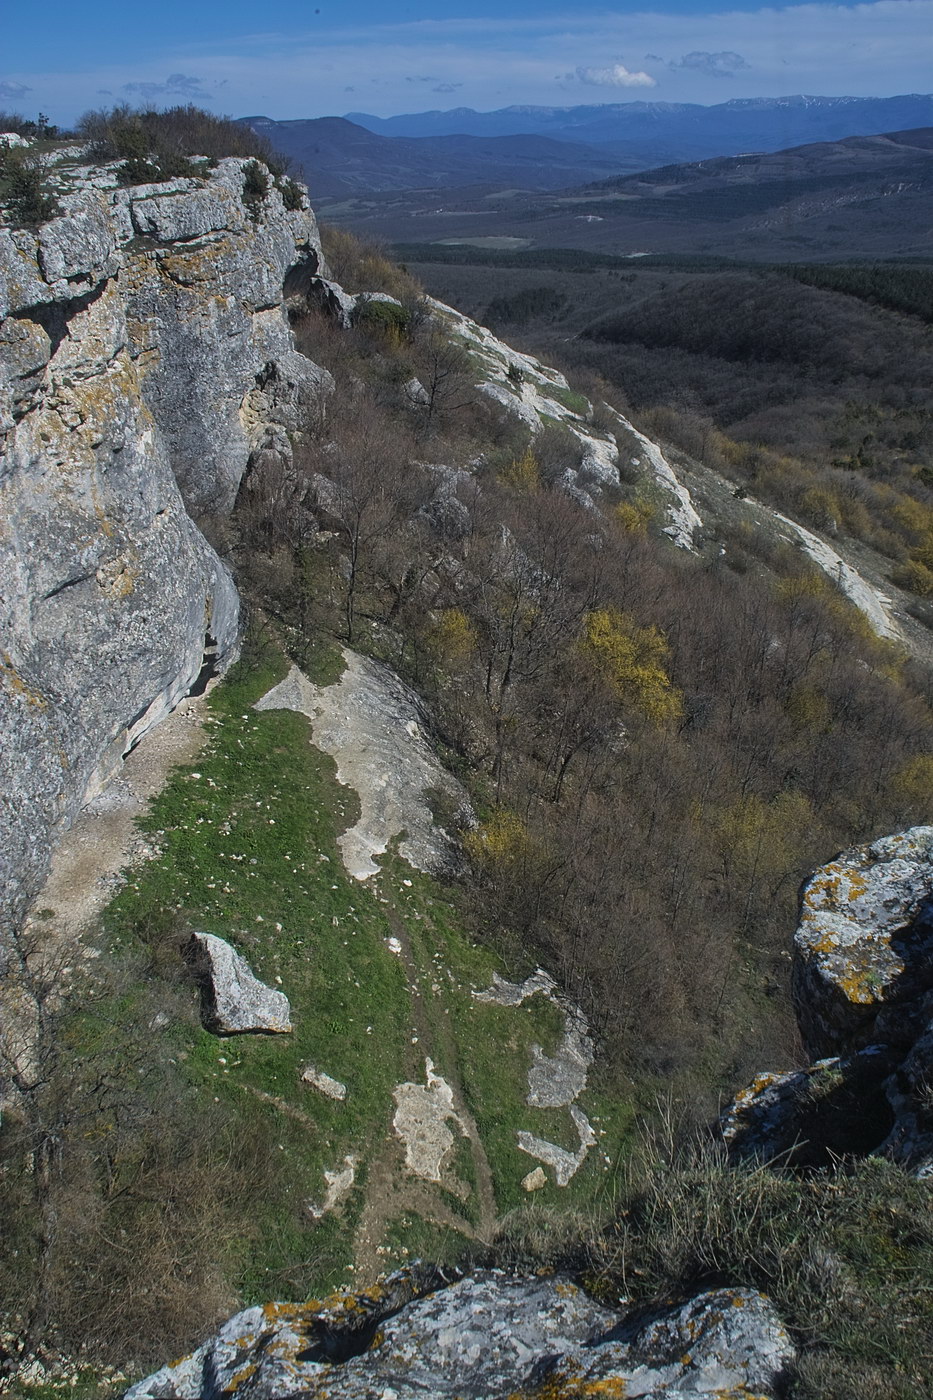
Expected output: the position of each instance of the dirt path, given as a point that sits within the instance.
(390, 1189)
(103, 839)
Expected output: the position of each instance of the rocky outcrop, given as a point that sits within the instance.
(145, 355)
(233, 1000)
(864, 945)
(485, 1337)
(537, 394)
(863, 986)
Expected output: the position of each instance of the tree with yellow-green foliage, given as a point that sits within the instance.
(633, 660)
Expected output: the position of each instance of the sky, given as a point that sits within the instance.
(312, 59)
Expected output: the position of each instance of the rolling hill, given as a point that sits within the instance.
(861, 197)
(339, 157)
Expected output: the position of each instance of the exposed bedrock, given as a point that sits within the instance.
(486, 1337)
(863, 988)
(145, 353)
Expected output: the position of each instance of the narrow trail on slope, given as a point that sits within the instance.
(391, 1190)
(104, 839)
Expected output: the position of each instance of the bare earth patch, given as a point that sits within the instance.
(104, 839)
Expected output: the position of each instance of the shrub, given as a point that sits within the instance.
(360, 266)
(633, 660)
(22, 188)
(385, 316)
(523, 473)
(291, 192)
(255, 189)
(157, 145)
(915, 577)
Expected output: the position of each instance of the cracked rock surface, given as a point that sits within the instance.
(485, 1337)
(373, 726)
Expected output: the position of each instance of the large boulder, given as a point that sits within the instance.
(485, 1337)
(233, 1001)
(863, 984)
(863, 949)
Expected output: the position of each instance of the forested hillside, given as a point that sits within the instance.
(498, 824)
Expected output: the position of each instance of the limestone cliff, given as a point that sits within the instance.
(145, 354)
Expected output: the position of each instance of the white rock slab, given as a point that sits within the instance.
(332, 1088)
(421, 1117)
(564, 1164)
(371, 724)
(234, 1002)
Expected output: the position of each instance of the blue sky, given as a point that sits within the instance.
(297, 60)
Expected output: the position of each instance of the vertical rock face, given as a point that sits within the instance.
(144, 354)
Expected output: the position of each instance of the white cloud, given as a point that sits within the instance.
(14, 90)
(616, 76)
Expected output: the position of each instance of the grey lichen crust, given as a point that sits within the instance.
(485, 1337)
(855, 951)
(145, 355)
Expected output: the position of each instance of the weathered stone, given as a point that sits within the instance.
(564, 1164)
(807, 1117)
(556, 1080)
(863, 983)
(534, 1180)
(421, 1116)
(175, 218)
(485, 1337)
(331, 1088)
(233, 1000)
(81, 243)
(910, 1094)
(860, 948)
(338, 1185)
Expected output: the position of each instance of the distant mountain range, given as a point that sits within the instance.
(655, 133)
(338, 158)
(862, 197)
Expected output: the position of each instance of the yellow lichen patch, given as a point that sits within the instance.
(14, 680)
(278, 1312)
(117, 577)
(243, 1375)
(569, 1384)
(196, 265)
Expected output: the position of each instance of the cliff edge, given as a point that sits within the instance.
(145, 354)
